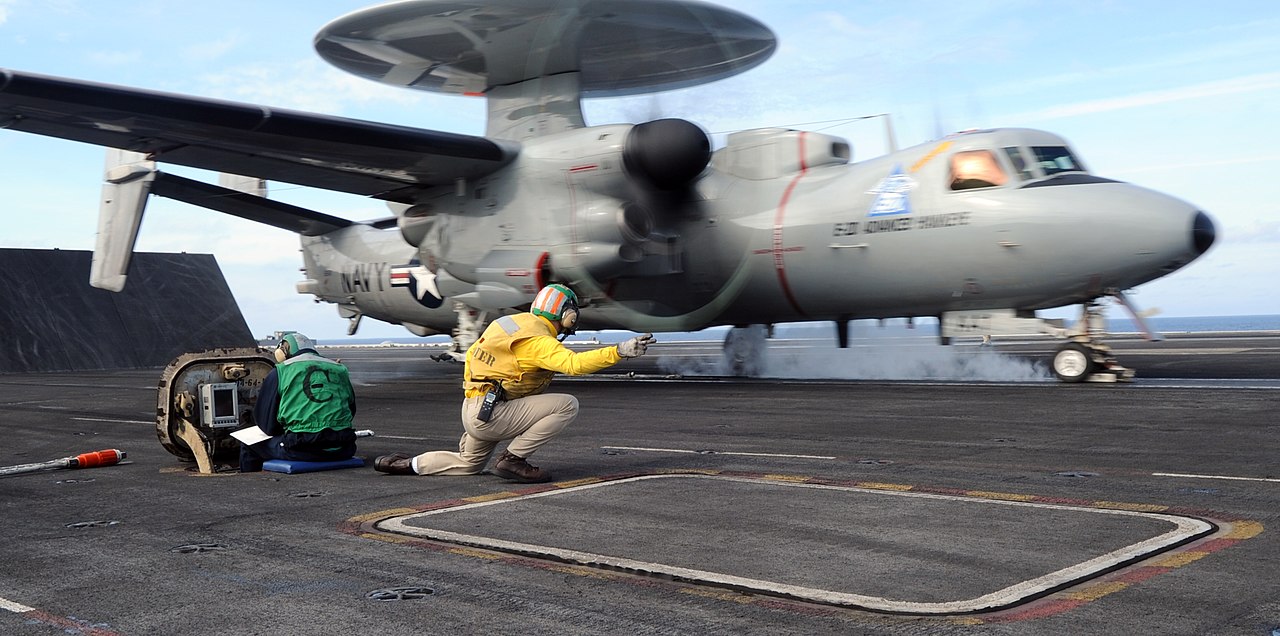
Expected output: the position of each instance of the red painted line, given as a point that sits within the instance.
(1141, 574)
(778, 250)
(1212, 545)
(68, 626)
(584, 168)
(1039, 610)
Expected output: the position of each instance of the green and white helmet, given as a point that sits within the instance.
(553, 301)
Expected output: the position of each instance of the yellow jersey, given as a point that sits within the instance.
(522, 352)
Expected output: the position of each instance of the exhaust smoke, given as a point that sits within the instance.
(867, 358)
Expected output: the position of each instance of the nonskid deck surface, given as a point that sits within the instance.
(891, 500)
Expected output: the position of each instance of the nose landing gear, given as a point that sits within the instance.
(1085, 358)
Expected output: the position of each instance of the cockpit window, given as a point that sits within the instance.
(1019, 163)
(1055, 159)
(976, 169)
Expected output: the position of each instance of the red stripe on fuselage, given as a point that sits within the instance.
(778, 249)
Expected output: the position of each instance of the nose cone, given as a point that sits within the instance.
(1202, 233)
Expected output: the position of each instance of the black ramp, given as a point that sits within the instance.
(52, 320)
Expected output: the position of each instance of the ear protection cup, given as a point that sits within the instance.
(570, 319)
(282, 351)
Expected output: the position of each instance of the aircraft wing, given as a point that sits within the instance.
(383, 161)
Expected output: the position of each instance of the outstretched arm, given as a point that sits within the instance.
(545, 352)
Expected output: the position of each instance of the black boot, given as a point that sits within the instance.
(395, 464)
(515, 468)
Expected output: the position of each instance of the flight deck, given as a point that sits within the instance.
(681, 505)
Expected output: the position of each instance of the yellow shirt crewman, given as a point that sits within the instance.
(509, 368)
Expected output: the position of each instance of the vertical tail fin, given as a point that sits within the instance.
(128, 178)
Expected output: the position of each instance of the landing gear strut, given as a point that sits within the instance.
(1085, 358)
(471, 322)
(744, 349)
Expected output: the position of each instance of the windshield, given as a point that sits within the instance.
(976, 169)
(1019, 163)
(1055, 159)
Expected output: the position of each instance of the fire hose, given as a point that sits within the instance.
(107, 457)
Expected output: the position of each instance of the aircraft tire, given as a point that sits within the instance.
(1073, 362)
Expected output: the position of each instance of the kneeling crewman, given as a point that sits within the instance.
(505, 378)
(306, 404)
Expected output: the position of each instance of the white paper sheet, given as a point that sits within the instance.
(250, 435)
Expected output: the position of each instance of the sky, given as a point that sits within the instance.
(1179, 97)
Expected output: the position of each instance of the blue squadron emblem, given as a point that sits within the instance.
(891, 194)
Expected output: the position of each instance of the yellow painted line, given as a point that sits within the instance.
(1003, 496)
(686, 471)
(1131, 507)
(1179, 559)
(1244, 530)
(796, 479)
(583, 571)
(578, 482)
(719, 595)
(873, 485)
(492, 497)
(942, 147)
(1095, 592)
(392, 512)
(475, 553)
(385, 538)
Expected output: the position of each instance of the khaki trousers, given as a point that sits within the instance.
(529, 422)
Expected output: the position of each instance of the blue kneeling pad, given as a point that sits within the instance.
(291, 466)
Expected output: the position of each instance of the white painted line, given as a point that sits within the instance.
(99, 419)
(16, 608)
(1216, 477)
(1184, 528)
(696, 452)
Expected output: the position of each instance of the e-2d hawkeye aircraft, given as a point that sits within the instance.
(653, 230)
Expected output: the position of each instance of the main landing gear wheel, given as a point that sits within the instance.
(744, 350)
(1073, 362)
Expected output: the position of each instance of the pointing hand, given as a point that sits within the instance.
(636, 346)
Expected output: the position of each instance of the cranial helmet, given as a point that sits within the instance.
(553, 302)
(292, 344)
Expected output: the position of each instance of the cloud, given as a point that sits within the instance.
(1232, 161)
(115, 58)
(1237, 51)
(1257, 232)
(214, 49)
(1234, 86)
(305, 85)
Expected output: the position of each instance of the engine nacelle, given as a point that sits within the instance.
(666, 154)
(616, 222)
(770, 153)
(614, 160)
(415, 222)
(576, 262)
